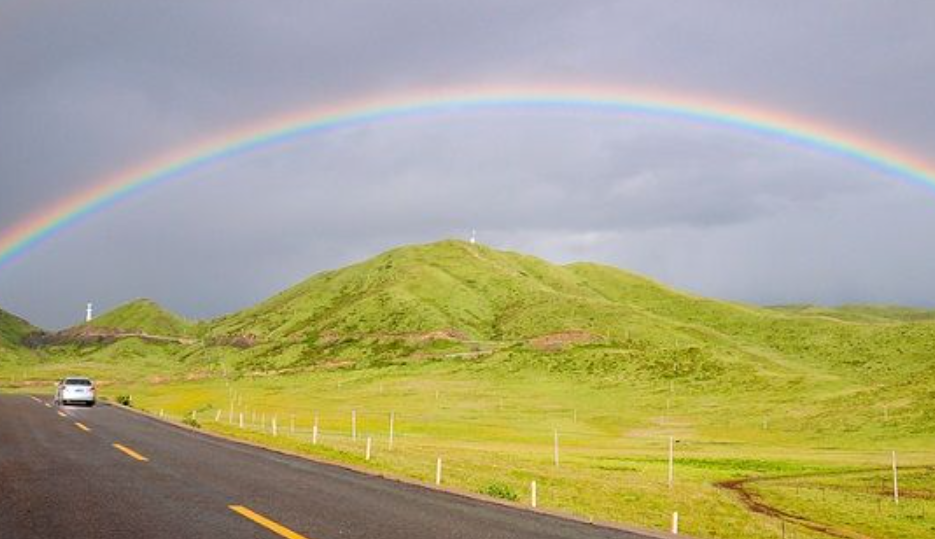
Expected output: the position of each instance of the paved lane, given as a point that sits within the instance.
(104, 472)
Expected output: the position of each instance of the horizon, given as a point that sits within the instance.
(198, 320)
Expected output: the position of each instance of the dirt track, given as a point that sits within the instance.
(756, 504)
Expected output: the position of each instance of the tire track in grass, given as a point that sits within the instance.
(756, 504)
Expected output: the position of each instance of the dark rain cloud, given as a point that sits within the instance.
(88, 89)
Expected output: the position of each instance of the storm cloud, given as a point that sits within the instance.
(88, 89)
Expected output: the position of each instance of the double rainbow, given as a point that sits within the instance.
(34, 229)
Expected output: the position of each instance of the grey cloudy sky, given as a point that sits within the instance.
(90, 88)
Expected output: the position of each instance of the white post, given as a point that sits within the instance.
(675, 523)
(241, 419)
(895, 481)
(392, 425)
(315, 431)
(438, 471)
(354, 425)
(533, 496)
(162, 413)
(194, 415)
(555, 447)
(217, 417)
(275, 427)
(230, 414)
(369, 444)
(671, 460)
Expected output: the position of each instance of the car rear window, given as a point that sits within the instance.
(77, 382)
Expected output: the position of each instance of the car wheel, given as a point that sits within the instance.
(90, 403)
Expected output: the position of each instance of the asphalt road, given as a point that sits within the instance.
(62, 476)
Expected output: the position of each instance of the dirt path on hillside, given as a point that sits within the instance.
(755, 503)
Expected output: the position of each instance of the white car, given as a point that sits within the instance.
(76, 390)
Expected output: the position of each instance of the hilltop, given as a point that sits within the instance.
(142, 316)
(141, 319)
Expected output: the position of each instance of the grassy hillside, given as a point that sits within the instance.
(142, 316)
(12, 331)
(13, 328)
(452, 298)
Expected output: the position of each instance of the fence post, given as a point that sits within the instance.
(438, 471)
(555, 447)
(895, 480)
(354, 425)
(533, 497)
(369, 443)
(671, 460)
(675, 523)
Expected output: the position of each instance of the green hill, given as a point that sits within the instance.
(13, 329)
(452, 297)
(140, 316)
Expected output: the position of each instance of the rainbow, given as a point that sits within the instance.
(787, 128)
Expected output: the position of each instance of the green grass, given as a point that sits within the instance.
(12, 331)
(482, 355)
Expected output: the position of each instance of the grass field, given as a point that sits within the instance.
(494, 426)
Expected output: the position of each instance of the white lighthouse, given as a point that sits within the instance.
(89, 313)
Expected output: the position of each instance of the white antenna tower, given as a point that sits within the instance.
(473, 237)
(89, 314)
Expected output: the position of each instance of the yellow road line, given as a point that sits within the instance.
(82, 426)
(265, 522)
(131, 452)
(62, 414)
